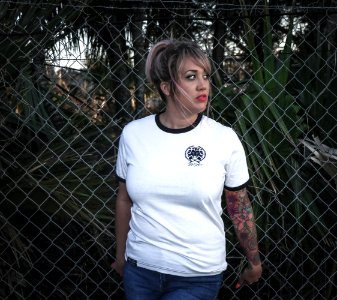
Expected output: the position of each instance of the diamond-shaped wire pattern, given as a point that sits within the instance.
(71, 77)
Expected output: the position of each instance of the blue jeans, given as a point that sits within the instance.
(143, 284)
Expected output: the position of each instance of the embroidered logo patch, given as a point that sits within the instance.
(195, 154)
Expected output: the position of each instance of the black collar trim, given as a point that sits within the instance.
(178, 130)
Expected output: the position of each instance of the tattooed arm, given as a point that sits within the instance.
(241, 213)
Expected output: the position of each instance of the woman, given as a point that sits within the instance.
(173, 168)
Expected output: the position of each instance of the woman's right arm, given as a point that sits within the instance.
(122, 219)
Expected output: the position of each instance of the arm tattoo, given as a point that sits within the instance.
(241, 212)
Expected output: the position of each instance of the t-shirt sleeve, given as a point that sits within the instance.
(237, 175)
(121, 164)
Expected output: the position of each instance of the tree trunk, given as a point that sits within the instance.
(138, 72)
(218, 54)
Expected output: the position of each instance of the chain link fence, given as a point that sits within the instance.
(71, 77)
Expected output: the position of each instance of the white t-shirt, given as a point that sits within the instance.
(175, 179)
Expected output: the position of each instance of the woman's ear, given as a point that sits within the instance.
(165, 88)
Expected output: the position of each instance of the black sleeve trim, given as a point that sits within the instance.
(237, 188)
(120, 179)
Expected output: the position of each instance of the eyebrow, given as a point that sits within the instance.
(192, 70)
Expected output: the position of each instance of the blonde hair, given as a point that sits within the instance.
(165, 59)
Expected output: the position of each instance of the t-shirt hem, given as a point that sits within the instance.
(181, 273)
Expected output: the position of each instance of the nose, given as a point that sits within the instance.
(202, 84)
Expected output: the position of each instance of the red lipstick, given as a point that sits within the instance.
(202, 98)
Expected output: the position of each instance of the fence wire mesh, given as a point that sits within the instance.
(72, 75)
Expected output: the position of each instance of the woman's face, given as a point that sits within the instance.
(193, 87)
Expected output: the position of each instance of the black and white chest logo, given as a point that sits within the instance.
(195, 154)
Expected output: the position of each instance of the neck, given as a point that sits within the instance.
(177, 121)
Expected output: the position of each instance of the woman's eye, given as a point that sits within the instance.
(194, 76)
(191, 77)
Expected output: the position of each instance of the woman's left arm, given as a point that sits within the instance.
(241, 213)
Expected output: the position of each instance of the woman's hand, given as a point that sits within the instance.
(249, 275)
(118, 266)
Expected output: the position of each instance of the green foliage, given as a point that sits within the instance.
(315, 83)
(65, 174)
(269, 119)
(50, 152)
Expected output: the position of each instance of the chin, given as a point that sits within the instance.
(202, 108)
